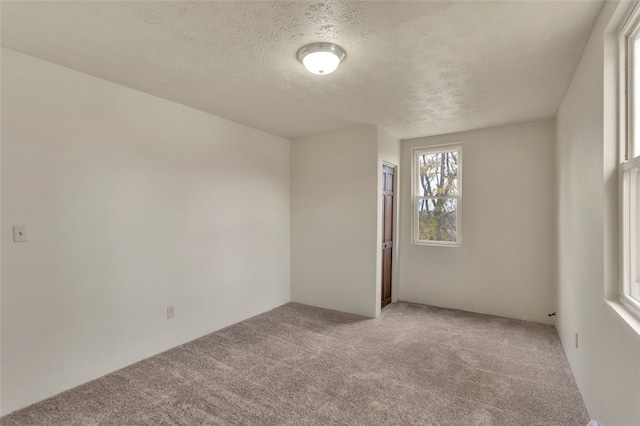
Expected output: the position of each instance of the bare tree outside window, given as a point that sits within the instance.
(437, 196)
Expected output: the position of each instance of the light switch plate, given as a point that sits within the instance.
(19, 233)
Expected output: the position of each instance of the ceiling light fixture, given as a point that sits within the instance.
(321, 58)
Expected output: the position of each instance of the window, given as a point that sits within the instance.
(437, 195)
(630, 162)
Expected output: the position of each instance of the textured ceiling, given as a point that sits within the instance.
(412, 68)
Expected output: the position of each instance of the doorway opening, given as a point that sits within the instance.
(388, 185)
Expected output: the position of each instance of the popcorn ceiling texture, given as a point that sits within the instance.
(412, 68)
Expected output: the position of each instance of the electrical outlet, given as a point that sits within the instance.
(170, 312)
(19, 233)
(576, 340)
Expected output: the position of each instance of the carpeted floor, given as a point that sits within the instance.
(298, 365)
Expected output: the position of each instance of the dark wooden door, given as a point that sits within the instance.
(387, 233)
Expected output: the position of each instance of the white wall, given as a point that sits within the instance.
(334, 215)
(505, 265)
(607, 363)
(132, 203)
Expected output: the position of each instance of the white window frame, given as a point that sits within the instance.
(415, 186)
(629, 160)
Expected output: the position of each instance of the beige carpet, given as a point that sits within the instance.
(298, 365)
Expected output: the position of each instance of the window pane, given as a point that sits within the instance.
(634, 234)
(634, 148)
(437, 219)
(438, 174)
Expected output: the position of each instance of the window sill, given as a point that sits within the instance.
(625, 313)
(437, 244)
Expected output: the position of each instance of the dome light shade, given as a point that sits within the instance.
(321, 58)
(321, 62)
